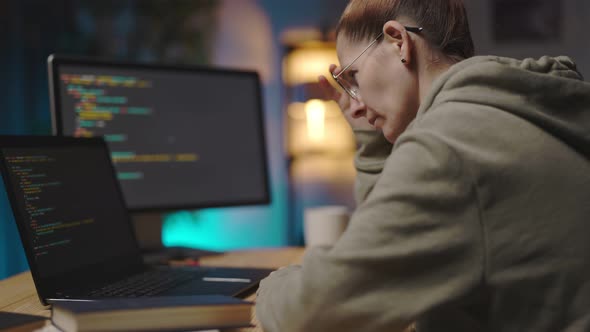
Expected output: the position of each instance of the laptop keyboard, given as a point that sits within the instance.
(148, 283)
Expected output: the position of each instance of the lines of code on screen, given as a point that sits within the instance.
(176, 137)
(101, 113)
(67, 221)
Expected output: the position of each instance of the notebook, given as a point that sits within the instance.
(77, 233)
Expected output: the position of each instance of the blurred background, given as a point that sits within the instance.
(288, 42)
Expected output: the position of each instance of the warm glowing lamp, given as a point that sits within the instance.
(320, 143)
(314, 125)
(315, 117)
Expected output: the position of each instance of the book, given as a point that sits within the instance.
(15, 322)
(170, 313)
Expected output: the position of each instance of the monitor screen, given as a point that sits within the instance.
(180, 137)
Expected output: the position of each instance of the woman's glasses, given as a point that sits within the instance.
(348, 83)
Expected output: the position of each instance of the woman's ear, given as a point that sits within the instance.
(396, 33)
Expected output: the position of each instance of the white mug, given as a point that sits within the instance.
(323, 225)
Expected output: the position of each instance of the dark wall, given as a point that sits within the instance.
(30, 30)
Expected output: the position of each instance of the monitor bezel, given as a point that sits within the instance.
(54, 61)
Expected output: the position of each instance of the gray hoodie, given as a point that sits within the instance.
(476, 220)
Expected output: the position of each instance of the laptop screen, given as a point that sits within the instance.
(67, 202)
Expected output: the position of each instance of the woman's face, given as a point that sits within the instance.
(388, 88)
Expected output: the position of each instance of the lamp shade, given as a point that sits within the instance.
(307, 60)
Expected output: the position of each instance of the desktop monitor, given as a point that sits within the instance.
(180, 137)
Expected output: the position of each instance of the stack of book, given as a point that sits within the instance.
(178, 313)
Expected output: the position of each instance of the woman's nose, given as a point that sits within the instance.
(358, 109)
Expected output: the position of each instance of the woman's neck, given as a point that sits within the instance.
(429, 73)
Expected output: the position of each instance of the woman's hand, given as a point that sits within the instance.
(348, 106)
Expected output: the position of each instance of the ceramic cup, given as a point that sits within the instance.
(323, 225)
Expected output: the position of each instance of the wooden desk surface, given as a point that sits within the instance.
(17, 293)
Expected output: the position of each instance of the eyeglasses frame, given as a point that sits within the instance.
(355, 94)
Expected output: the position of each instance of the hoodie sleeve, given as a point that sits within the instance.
(373, 150)
(414, 243)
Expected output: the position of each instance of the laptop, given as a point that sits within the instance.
(77, 233)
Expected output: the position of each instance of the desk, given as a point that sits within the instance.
(17, 293)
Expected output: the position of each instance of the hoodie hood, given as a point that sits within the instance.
(548, 92)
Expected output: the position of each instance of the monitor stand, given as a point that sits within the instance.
(148, 231)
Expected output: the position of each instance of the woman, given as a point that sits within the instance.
(472, 212)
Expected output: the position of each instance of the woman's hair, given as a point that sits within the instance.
(444, 21)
